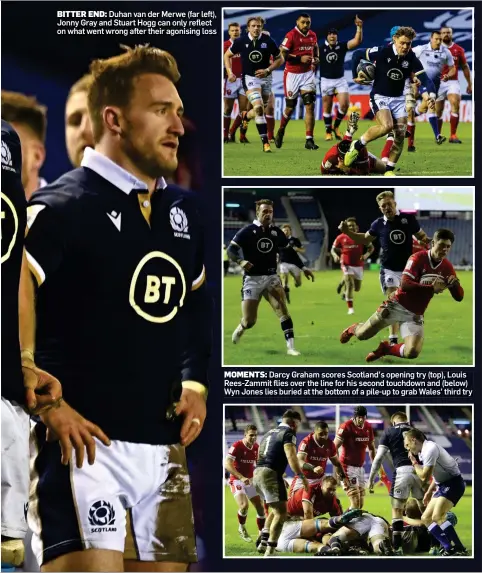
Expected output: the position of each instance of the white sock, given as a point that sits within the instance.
(291, 343)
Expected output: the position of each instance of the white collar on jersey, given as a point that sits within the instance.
(328, 43)
(258, 224)
(284, 425)
(253, 39)
(397, 212)
(114, 173)
(394, 49)
(431, 261)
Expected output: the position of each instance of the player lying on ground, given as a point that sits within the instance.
(426, 273)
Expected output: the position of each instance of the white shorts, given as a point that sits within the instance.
(255, 286)
(407, 89)
(294, 83)
(332, 87)
(369, 525)
(238, 487)
(446, 88)
(233, 89)
(140, 489)
(357, 272)
(406, 484)
(287, 268)
(390, 279)
(252, 82)
(297, 484)
(411, 324)
(396, 105)
(355, 475)
(15, 469)
(291, 531)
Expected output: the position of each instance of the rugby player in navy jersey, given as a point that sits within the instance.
(260, 243)
(394, 231)
(405, 481)
(256, 49)
(124, 322)
(394, 64)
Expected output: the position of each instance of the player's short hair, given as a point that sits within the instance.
(446, 28)
(412, 509)
(343, 147)
(263, 202)
(233, 25)
(112, 79)
(434, 32)
(415, 433)
(405, 31)
(332, 31)
(321, 425)
(330, 479)
(286, 226)
(399, 415)
(292, 415)
(443, 234)
(250, 428)
(360, 411)
(303, 15)
(25, 110)
(82, 85)
(256, 19)
(385, 195)
(351, 219)
(394, 30)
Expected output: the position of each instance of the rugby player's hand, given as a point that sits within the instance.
(231, 78)
(246, 265)
(309, 275)
(445, 78)
(319, 470)
(427, 497)
(412, 458)
(42, 390)
(358, 22)
(304, 482)
(362, 80)
(336, 258)
(246, 481)
(371, 487)
(469, 90)
(72, 431)
(192, 407)
(452, 281)
(306, 59)
(261, 73)
(343, 227)
(439, 285)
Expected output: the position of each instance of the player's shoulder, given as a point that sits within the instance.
(307, 439)
(11, 149)
(344, 426)
(68, 190)
(457, 47)
(8, 133)
(226, 44)
(447, 266)
(368, 425)
(275, 230)
(251, 228)
(236, 445)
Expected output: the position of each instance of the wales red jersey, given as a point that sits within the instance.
(351, 253)
(355, 441)
(244, 459)
(458, 54)
(322, 504)
(316, 454)
(299, 44)
(236, 65)
(416, 290)
(364, 163)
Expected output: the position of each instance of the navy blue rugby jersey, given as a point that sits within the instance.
(271, 452)
(123, 314)
(286, 255)
(392, 438)
(332, 60)
(255, 53)
(14, 217)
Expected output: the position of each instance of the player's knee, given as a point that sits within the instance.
(243, 507)
(258, 109)
(427, 519)
(411, 352)
(249, 322)
(308, 98)
(290, 104)
(439, 517)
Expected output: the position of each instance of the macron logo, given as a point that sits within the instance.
(116, 219)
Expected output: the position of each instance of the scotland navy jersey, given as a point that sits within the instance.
(261, 246)
(290, 255)
(395, 238)
(14, 209)
(255, 53)
(271, 450)
(392, 438)
(123, 315)
(332, 60)
(392, 70)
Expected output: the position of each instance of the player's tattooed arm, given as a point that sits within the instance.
(340, 472)
(357, 39)
(229, 465)
(233, 253)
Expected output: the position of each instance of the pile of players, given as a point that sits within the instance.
(401, 75)
(307, 516)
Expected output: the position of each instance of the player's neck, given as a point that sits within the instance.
(247, 445)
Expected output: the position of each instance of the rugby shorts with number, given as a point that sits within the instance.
(269, 485)
(355, 475)
(291, 531)
(294, 83)
(396, 105)
(254, 286)
(237, 487)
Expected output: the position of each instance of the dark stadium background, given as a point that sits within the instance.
(35, 60)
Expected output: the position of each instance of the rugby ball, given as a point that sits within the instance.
(429, 279)
(366, 70)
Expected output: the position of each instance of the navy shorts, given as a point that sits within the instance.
(452, 489)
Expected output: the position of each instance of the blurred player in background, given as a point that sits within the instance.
(257, 69)
(276, 451)
(426, 273)
(287, 267)
(314, 452)
(393, 65)
(301, 52)
(405, 482)
(354, 437)
(78, 130)
(29, 119)
(434, 57)
(233, 90)
(332, 73)
(352, 259)
(447, 483)
(451, 89)
(240, 463)
(394, 231)
(261, 242)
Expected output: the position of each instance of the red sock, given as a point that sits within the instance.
(349, 303)
(386, 148)
(242, 518)
(266, 508)
(454, 122)
(309, 133)
(270, 126)
(386, 482)
(236, 124)
(411, 139)
(395, 349)
(260, 521)
(226, 123)
(284, 121)
(440, 123)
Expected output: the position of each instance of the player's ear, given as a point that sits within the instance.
(112, 119)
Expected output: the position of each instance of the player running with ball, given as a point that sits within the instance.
(426, 273)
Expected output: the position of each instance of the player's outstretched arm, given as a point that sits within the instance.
(376, 465)
(294, 463)
(359, 238)
(358, 38)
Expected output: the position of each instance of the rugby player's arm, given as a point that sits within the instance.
(370, 54)
(360, 238)
(229, 465)
(427, 86)
(307, 509)
(422, 236)
(293, 461)
(467, 76)
(371, 450)
(425, 473)
(370, 249)
(227, 61)
(26, 311)
(357, 39)
(278, 61)
(339, 468)
(233, 251)
(377, 462)
(284, 244)
(305, 465)
(455, 288)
